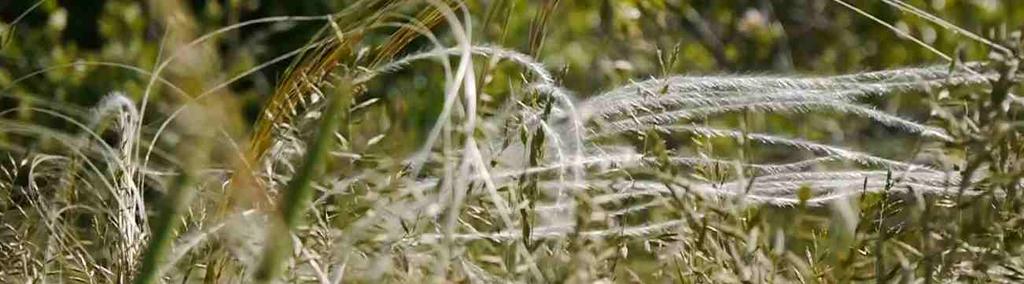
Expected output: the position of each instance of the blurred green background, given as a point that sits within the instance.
(594, 45)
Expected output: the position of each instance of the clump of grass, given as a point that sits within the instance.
(130, 212)
(299, 191)
(530, 182)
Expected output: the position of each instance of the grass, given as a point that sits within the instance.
(677, 178)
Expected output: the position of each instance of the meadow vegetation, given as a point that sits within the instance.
(773, 141)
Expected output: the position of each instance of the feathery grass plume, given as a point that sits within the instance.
(784, 193)
(782, 189)
(130, 211)
(666, 93)
(827, 150)
(626, 161)
(799, 106)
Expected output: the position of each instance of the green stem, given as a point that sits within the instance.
(177, 200)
